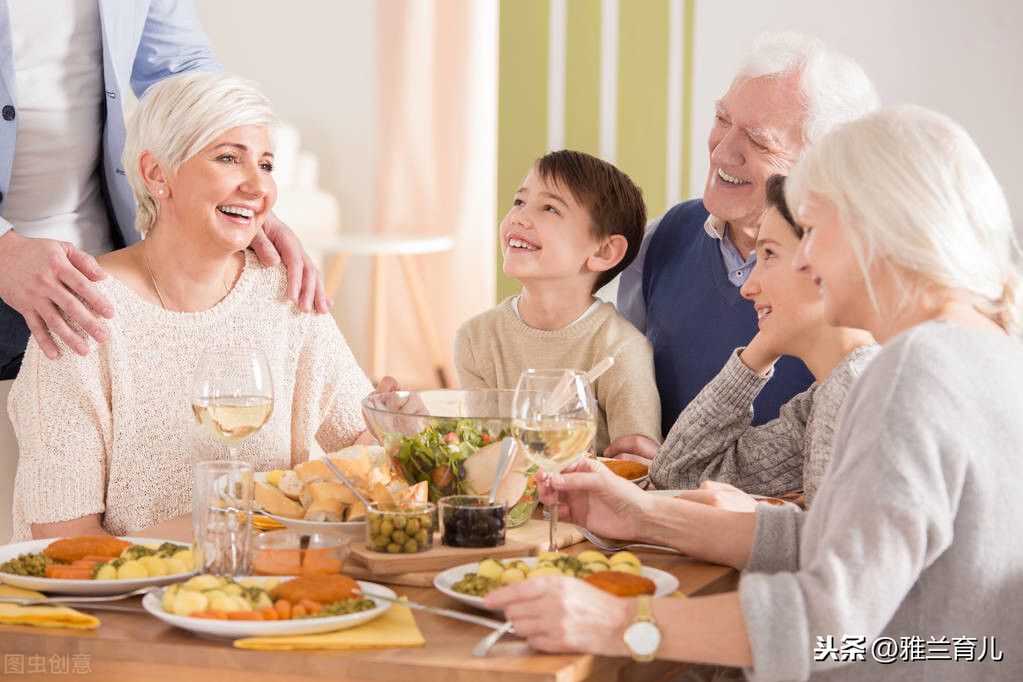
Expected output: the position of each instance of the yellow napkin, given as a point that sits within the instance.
(266, 523)
(395, 629)
(44, 616)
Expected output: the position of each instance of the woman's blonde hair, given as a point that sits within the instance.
(911, 185)
(179, 116)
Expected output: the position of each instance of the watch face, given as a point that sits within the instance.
(643, 638)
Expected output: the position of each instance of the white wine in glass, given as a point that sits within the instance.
(554, 420)
(232, 394)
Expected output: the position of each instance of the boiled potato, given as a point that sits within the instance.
(512, 575)
(188, 602)
(619, 557)
(221, 601)
(627, 567)
(106, 572)
(490, 568)
(590, 556)
(201, 583)
(168, 597)
(131, 570)
(185, 557)
(521, 565)
(175, 565)
(547, 556)
(233, 589)
(154, 566)
(544, 570)
(270, 583)
(596, 566)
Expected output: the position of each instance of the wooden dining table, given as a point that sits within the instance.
(134, 645)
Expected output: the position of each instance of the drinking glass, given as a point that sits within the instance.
(222, 517)
(554, 419)
(232, 394)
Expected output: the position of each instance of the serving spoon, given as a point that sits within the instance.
(344, 479)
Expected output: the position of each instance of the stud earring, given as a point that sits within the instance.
(161, 191)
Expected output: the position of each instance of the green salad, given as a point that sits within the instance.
(437, 454)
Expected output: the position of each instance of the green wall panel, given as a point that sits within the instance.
(582, 76)
(521, 105)
(643, 97)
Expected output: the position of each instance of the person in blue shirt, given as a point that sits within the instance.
(65, 67)
(682, 290)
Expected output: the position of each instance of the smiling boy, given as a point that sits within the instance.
(575, 223)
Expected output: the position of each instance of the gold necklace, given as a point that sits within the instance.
(156, 286)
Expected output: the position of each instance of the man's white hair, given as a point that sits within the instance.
(834, 87)
(179, 116)
(910, 186)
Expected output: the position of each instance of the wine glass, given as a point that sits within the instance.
(232, 394)
(554, 419)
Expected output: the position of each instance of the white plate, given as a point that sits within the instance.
(638, 481)
(354, 529)
(234, 629)
(81, 587)
(676, 493)
(665, 583)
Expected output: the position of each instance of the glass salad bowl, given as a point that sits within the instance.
(450, 440)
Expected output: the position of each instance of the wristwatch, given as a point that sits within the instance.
(643, 636)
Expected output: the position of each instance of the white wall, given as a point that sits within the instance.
(317, 62)
(964, 59)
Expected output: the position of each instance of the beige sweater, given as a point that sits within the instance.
(113, 432)
(493, 348)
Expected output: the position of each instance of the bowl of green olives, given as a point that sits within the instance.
(400, 527)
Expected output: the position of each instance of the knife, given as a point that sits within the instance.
(447, 613)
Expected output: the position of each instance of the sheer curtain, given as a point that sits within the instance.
(436, 165)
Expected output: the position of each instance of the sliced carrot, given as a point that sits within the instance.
(269, 613)
(244, 615)
(202, 614)
(298, 611)
(89, 563)
(310, 606)
(283, 609)
(94, 558)
(217, 614)
(65, 572)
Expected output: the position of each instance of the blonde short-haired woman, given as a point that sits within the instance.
(107, 440)
(914, 538)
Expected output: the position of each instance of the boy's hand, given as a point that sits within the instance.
(636, 448)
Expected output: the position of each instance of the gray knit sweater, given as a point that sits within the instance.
(916, 531)
(712, 439)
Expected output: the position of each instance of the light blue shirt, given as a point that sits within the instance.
(630, 301)
(144, 41)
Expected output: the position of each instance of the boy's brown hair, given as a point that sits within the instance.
(614, 202)
(775, 189)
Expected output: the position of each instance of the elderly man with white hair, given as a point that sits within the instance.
(682, 290)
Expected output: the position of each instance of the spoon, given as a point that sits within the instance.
(507, 448)
(344, 479)
(561, 393)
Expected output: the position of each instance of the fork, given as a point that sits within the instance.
(617, 545)
(488, 642)
(73, 599)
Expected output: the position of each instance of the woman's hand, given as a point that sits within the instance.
(722, 496)
(593, 497)
(761, 353)
(558, 614)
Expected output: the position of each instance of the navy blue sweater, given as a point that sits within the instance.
(695, 317)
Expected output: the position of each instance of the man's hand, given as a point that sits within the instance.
(636, 448)
(40, 278)
(277, 243)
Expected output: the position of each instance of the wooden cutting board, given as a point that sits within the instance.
(527, 540)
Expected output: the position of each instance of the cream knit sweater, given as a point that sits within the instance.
(113, 432)
(493, 348)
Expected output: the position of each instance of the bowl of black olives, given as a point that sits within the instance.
(472, 521)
